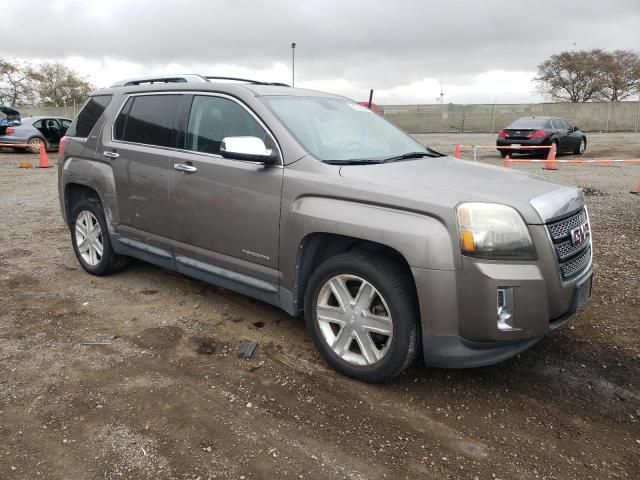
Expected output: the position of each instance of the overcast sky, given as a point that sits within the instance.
(480, 50)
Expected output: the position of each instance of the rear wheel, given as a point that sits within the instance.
(362, 315)
(582, 146)
(35, 144)
(90, 239)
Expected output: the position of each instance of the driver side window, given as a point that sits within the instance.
(213, 118)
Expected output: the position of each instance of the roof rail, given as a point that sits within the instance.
(246, 80)
(189, 78)
(160, 79)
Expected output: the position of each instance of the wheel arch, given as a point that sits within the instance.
(317, 228)
(81, 177)
(318, 247)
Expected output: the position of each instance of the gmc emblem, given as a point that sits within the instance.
(580, 234)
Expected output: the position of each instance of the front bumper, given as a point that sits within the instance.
(459, 308)
(453, 351)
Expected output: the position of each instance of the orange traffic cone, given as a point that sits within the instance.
(456, 151)
(44, 160)
(550, 164)
(507, 161)
(637, 190)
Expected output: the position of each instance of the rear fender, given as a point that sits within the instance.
(97, 176)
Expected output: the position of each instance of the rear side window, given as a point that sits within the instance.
(88, 116)
(148, 119)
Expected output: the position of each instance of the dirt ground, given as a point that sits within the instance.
(137, 375)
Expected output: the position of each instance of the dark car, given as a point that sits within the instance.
(533, 131)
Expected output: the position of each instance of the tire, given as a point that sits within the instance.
(89, 213)
(503, 153)
(582, 146)
(557, 144)
(35, 143)
(395, 310)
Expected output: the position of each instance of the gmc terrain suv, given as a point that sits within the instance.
(313, 203)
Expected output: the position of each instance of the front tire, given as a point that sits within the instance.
(90, 239)
(582, 146)
(362, 314)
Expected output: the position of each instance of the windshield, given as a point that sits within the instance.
(337, 129)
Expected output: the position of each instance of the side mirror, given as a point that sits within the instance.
(575, 129)
(251, 149)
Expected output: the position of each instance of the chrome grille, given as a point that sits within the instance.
(562, 229)
(566, 249)
(576, 265)
(572, 259)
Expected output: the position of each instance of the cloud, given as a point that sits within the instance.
(352, 45)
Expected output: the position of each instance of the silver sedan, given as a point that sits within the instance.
(34, 132)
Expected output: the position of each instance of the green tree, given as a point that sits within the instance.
(55, 84)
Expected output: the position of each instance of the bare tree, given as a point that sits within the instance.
(621, 75)
(56, 84)
(571, 76)
(15, 83)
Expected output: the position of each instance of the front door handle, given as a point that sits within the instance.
(110, 154)
(185, 168)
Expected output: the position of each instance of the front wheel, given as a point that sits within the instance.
(362, 314)
(581, 147)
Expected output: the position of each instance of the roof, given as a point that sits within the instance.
(208, 84)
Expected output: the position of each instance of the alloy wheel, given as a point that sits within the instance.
(35, 144)
(354, 319)
(89, 238)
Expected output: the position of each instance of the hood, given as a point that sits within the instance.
(445, 182)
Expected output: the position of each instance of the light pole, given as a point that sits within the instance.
(293, 64)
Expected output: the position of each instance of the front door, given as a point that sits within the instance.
(224, 213)
(139, 152)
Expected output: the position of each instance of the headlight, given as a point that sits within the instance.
(493, 231)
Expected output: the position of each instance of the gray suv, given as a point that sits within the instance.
(311, 202)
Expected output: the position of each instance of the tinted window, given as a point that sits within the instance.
(88, 116)
(529, 122)
(150, 120)
(214, 118)
(121, 121)
(565, 124)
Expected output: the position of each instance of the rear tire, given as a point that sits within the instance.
(374, 334)
(90, 239)
(35, 144)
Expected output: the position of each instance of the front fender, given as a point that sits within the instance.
(423, 241)
(97, 176)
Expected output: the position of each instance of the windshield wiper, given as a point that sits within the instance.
(363, 161)
(407, 156)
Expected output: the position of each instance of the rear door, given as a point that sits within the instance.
(225, 212)
(139, 148)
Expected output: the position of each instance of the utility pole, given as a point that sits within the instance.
(293, 64)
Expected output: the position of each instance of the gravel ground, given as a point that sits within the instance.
(164, 396)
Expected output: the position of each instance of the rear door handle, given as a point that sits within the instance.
(109, 154)
(185, 168)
